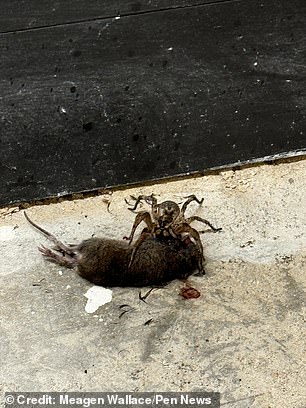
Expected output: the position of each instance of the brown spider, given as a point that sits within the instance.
(167, 220)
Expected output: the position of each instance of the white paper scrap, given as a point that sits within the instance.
(97, 296)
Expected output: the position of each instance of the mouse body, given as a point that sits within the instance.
(105, 261)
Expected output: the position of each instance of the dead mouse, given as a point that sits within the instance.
(104, 261)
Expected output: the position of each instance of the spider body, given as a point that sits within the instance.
(167, 220)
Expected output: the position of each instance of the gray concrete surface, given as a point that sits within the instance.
(245, 336)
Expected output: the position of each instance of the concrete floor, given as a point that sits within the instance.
(244, 337)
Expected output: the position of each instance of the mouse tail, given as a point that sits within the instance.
(68, 249)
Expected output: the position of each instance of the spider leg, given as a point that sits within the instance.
(172, 233)
(148, 199)
(151, 200)
(137, 201)
(196, 218)
(190, 199)
(141, 216)
(145, 233)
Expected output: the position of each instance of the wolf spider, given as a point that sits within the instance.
(167, 220)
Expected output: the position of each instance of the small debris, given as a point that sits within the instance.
(248, 243)
(122, 306)
(62, 110)
(122, 313)
(38, 283)
(143, 298)
(8, 211)
(130, 308)
(148, 322)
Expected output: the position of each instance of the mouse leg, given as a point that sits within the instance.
(66, 249)
(63, 260)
